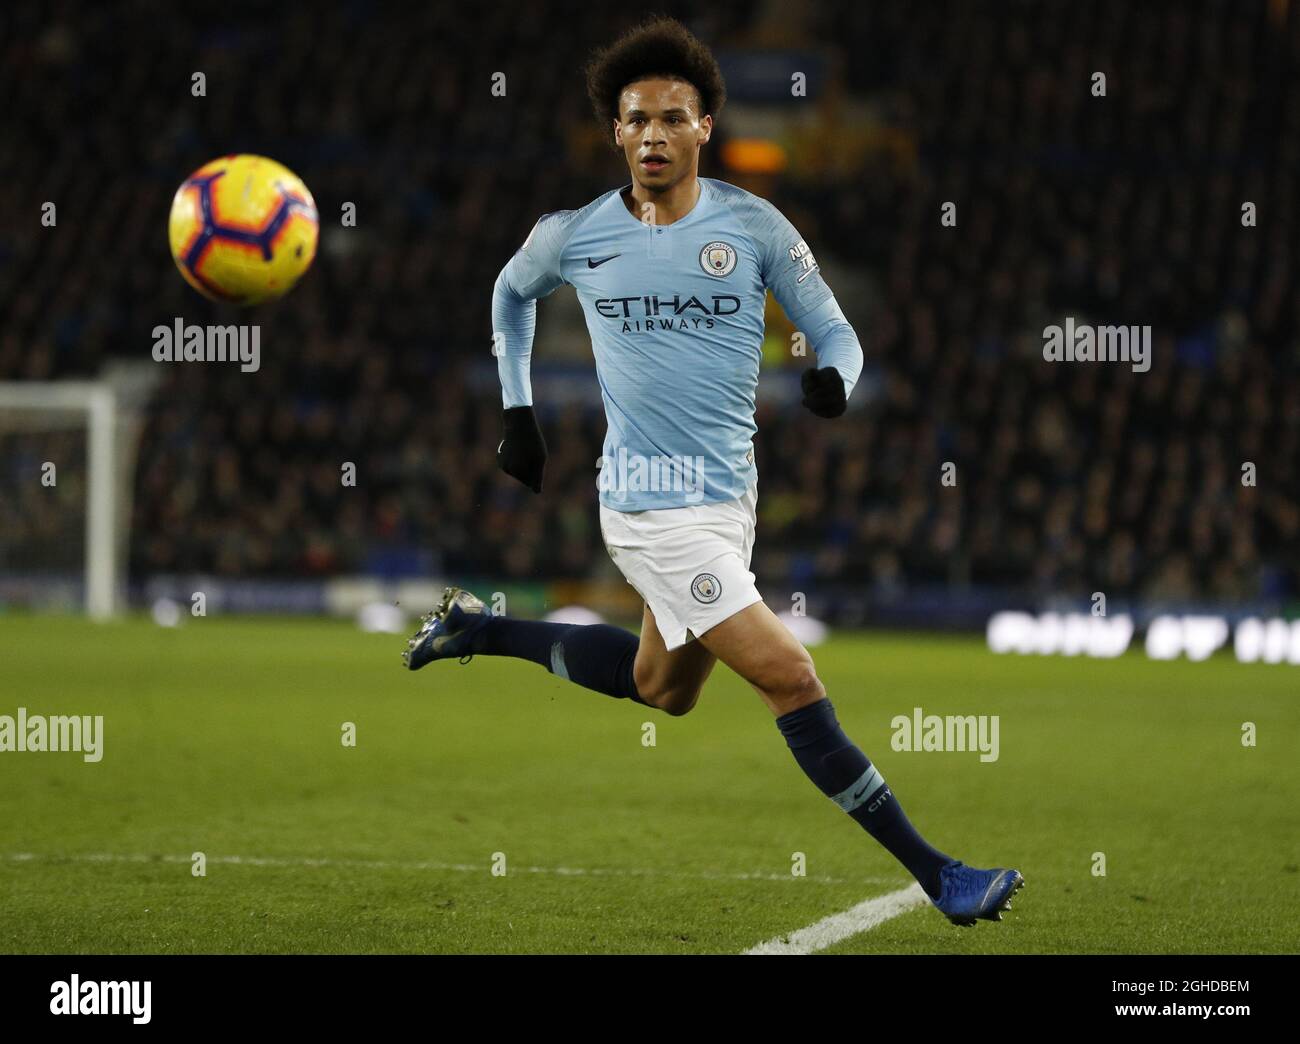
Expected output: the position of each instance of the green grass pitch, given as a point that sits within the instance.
(224, 737)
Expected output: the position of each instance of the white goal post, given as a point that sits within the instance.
(107, 409)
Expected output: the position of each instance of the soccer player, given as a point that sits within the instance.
(672, 272)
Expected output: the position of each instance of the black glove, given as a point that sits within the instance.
(522, 453)
(823, 391)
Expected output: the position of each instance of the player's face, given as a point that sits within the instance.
(661, 131)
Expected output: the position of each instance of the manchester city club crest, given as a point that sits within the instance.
(706, 588)
(718, 258)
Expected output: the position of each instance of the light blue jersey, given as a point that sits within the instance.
(675, 314)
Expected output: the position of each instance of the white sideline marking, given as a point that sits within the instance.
(383, 864)
(838, 927)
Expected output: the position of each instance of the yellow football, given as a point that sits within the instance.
(243, 229)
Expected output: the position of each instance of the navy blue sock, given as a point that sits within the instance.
(845, 775)
(597, 656)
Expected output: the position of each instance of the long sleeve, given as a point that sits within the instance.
(514, 319)
(792, 274)
(834, 341)
(533, 273)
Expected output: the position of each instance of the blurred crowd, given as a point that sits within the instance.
(1122, 208)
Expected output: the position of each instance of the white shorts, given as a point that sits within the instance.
(689, 564)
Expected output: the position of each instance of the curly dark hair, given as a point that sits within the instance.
(657, 47)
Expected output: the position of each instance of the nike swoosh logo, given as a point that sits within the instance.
(860, 793)
(591, 263)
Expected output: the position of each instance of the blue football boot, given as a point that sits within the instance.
(446, 632)
(969, 894)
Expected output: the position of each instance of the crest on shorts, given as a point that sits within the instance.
(718, 258)
(706, 588)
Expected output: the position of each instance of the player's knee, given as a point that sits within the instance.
(674, 700)
(801, 687)
(681, 700)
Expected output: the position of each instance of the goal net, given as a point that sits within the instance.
(67, 464)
